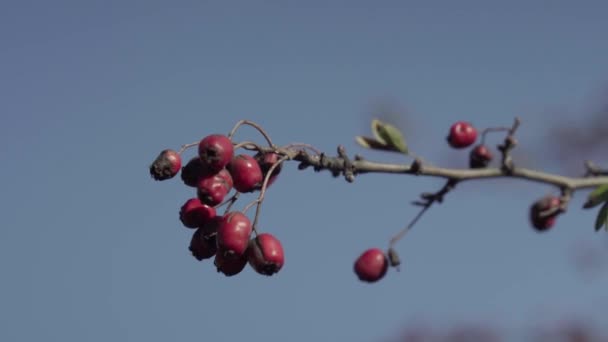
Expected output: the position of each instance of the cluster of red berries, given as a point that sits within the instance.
(214, 173)
(462, 135)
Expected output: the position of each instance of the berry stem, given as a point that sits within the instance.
(428, 200)
(249, 145)
(254, 125)
(258, 201)
(187, 146)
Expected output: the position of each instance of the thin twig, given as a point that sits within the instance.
(254, 125)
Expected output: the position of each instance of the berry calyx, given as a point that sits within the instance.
(265, 254)
(229, 264)
(266, 161)
(215, 151)
(194, 214)
(480, 157)
(233, 233)
(212, 189)
(543, 213)
(371, 265)
(462, 134)
(246, 173)
(202, 245)
(166, 165)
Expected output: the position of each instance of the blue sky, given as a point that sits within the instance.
(91, 248)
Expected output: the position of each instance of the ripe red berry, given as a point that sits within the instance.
(215, 151)
(202, 245)
(194, 214)
(166, 165)
(233, 233)
(210, 227)
(212, 189)
(480, 157)
(246, 173)
(266, 161)
(265, 254)
(371, 265)
(540, 221)
(229, 264)
(462, 134)
(193, 171)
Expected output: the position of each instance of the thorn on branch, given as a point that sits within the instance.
(349, 169)
(593, 170)
(509, 144)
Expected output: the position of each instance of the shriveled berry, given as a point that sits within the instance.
(202, 245)
(212, 189)
(480, 157)
(266, 161)
(265, 254)
(540, 213)
(462, 134)
(246, 173)
(193, 171)
(229, 264)
(194, 214)
(215, 151)
(371, 265)
(166, 165)
(233, 233)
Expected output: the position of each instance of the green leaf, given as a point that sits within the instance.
(372, 143)
(597, 197)
(602, 217)
(389, 135)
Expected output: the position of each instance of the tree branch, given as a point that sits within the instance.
(340, 165)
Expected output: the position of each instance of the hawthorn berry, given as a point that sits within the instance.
(371, 265)
(210, 227)
(265, 254)
(246, 173)
(229, 264)
(194, 214)
(193, 171)
(166, 165)
(540, 221)
(480, 157)
(202, 245)
(212, 189)
(462, 134)
(233, 233)
(215, 151)
(266, 161)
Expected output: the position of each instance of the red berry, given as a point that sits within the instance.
(229, 264)
(194, 214)
(266, 161)
(225, 175)
(210, 227)
(246, 173)
(233, 233)
(371, 266)
(215, 151)
(202, 245)
(193, 171)
(480, 157)
(462, 134)
(212, 189)
(542, 222)
(265, 254)
(166, 165)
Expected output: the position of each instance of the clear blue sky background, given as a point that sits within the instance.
(91, 248)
